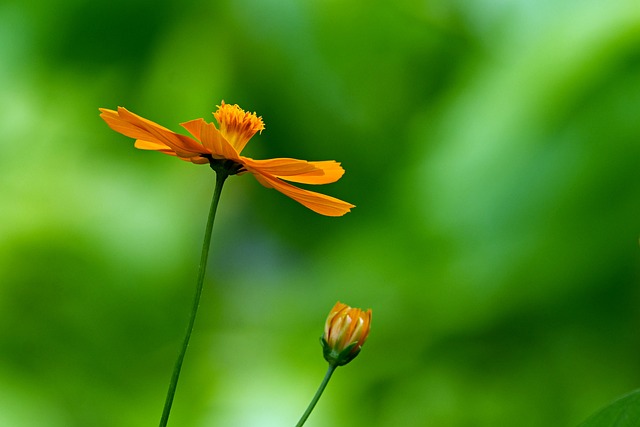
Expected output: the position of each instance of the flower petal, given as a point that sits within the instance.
(134, 126)
(198, 160)
(124, 127)
(300, 171)
(193, 127)
(219, 147)
(155, 146)
(320, 203)
(151, 145)
(332, 172)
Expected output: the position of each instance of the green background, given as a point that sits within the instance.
(492, 150)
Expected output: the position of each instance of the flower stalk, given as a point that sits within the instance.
(221, 176)
(317, 396)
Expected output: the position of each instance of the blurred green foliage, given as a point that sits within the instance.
(624, 412)
(492, 149)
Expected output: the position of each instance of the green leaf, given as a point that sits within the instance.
(624, 412)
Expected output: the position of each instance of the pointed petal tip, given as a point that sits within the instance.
(330, 206)
(340, 213)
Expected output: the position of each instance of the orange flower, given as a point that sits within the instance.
(345, 332)
(221, 148)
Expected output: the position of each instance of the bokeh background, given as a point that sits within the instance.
(492, 149)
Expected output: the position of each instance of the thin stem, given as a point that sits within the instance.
(315, 399)
(220, 179)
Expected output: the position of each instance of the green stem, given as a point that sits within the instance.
(315, 399)
(220, 179)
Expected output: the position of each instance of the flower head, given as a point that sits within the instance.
(345, 332)
(236, 125)
(222, 147)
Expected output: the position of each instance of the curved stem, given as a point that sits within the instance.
(315, 399)
(220, 179)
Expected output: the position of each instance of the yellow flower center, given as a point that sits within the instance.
(236, 125)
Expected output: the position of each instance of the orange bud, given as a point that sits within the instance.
(345, 332)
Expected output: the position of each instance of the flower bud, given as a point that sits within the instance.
(345, 331)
